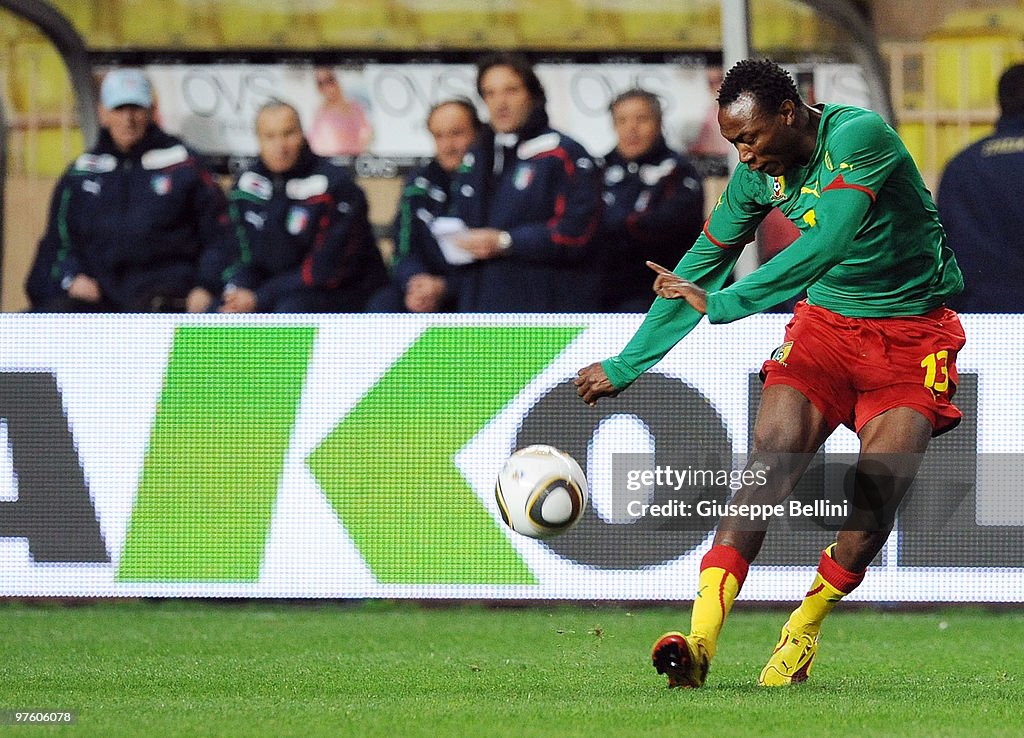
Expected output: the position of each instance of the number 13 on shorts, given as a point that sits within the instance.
(936, 374)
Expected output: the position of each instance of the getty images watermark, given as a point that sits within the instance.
(689, 479)
(832, 491)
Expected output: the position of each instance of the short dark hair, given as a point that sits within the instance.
(463, 102)
(518, 64)
(1011, 91)
(770, 84)
(638, 93)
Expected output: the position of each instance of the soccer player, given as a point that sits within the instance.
(872, 347)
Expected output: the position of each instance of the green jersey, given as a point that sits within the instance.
(870, 243)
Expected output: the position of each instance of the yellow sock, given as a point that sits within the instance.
(722, 571)
(831, 583)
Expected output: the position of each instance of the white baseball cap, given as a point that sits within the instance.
(126, 87)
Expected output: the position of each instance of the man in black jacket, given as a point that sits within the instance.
(304, 241)
(530, 199)
(653, 203)
(422, 281)
(137, 224)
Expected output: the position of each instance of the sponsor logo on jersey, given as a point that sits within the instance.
(163, 158)
(161, 184)
(651, 174)
(815, 190)
(614, 174)
(96, 163)
(256, 184)
(303, 189)
(778, 189)
(258, 220)
(523, 176)
(298, 219)
(782, 352)
(92, 186)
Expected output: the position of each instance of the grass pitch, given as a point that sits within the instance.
(186, 668)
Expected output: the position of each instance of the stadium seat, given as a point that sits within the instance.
(366, 23)
(789, 27)
(182, 24)
(669, 23)
(254, 23)
(39, 79)
(566, 24)
(48, 151)
(476, 24)
(972, 48)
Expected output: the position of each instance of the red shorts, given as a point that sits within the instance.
(854, 369)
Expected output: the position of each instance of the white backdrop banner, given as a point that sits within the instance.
(355, 456)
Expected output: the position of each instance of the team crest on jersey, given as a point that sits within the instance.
(782, 352)
(778, 189)
(523, 177)
(161, 184)
(298, 219)
(96, 163)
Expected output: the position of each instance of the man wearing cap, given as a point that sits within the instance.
(137, 224)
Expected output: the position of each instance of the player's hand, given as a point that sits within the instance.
(592, 384)
(85, 288)
(673, 287)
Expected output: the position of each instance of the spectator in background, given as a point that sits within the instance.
(654, 203)
(340, 126)
(981, 209)
(137, 224)
(710, 151)
(422, 281)
(304, 242)
(530, 198)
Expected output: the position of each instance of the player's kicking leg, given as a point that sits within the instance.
(789, 428)
(892, 448)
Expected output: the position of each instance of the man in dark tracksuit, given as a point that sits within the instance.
(653, 203)
(980, 206)
(530, 197)
(422, 280)
(304, 242)
(136, 224)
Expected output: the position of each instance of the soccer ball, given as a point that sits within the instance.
(541, 492)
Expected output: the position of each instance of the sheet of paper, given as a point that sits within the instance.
(446, 230)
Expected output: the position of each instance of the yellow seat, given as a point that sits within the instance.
(475, 24)
(363, 23)
(39, 80)
(255, 23)
(556, 24)
(669, 23)
(176, 24)
(47, 151)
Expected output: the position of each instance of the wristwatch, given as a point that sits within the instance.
(504, 240)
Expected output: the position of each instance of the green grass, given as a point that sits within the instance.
(185, 668)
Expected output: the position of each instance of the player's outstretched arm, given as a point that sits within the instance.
(592, 384)
(673, 287)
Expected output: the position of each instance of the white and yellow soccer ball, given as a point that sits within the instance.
(541, 491)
